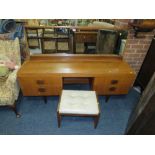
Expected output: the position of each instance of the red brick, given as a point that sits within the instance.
(136, 46)
(130, 36)
(146, 47)
(127, 46)
(146, 41)
(134, 55)
(130, 51)
(132, 41)
(149, 37)
(141, 50)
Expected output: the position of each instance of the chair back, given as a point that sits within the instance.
(11, 49)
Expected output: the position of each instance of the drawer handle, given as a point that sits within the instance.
(114, 81)
(40, 82)
(112, 88)
(41, 89)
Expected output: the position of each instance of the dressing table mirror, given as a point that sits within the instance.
(75, 36)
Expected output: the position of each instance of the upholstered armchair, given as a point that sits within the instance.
(9, 89)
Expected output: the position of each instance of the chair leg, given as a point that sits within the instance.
(96, 119)
(14, 108)
(59, 119)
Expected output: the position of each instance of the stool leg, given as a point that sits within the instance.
(59, 119)
(96, 119)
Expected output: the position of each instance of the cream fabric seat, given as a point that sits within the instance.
(78, 102)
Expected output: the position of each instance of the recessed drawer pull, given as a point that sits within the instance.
(112, 88)
(41, 89)
(40, 82)
(114, 81)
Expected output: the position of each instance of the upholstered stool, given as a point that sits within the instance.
(78, 103)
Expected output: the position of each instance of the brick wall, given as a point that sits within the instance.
(136, 48)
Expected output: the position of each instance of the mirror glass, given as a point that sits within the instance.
(75, 36)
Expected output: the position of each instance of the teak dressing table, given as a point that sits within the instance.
(42, 75)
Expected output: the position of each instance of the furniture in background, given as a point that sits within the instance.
(78, 103)
(44, 75)
(33, 38)
(142, 119)
(111, 41)
(32, 34)
(89, 38)
(60, 37)
(70, 39)
(147, 68)
(9, 89)
(142, 25)
(86, 35)
(106, 41)
(49, 39)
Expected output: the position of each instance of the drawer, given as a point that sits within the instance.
(46, 81)
(47, 91)
(81, 38)
(111, 90)
(41, 81)
(118, 79)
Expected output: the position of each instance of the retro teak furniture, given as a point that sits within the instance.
(43, 75)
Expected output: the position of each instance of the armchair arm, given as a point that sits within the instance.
(12, 78)
(12, 84)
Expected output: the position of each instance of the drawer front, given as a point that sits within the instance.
(46, 80)
(47, 91)
(40, 86)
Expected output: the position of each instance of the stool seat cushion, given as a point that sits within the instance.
(78, 102)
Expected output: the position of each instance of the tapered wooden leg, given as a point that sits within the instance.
(107, 98)
(45, 99)
(13, 107)
(59, 119)
(96, 119)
